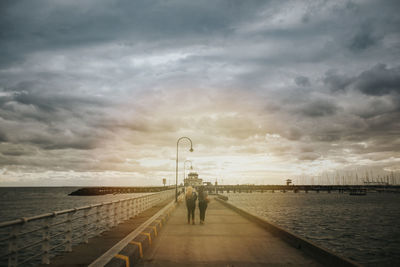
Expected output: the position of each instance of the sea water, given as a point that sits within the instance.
(363, 228)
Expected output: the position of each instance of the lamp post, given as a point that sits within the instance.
(184, 168)
(191, 150)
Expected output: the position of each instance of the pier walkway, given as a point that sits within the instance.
(83, 254)
(226, 239)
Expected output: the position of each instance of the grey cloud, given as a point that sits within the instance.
(29, 27)
(302, 81)
(3, 137)
(240, 127)
(293, 134)
(377, 106)
(319, 108)
(308, 156)
(327, 137)
(17, 152)
(337, 82)
(306, 149)
(379, 80)
(364, 39)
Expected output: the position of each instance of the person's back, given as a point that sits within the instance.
(191, 198)
(203, 203)
(203, 196)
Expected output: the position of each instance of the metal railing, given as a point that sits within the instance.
(27, 240)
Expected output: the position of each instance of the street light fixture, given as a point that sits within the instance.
(191, 150)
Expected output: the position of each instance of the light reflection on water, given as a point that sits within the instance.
(363, 228)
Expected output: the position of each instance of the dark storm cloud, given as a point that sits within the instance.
(50, 120)
(3, 137)
(16, 151)
(27, 26)
(379, 80)
(302, 81)
(364, 39)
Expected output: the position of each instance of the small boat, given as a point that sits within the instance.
(358, 192)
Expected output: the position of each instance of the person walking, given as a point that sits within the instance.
(203, 203)
(191, 198)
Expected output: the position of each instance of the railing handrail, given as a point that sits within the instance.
(55, 213)
(105, 216)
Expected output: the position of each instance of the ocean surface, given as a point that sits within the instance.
(17, 202)
(363, 228)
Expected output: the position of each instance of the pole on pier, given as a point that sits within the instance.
(191, 150)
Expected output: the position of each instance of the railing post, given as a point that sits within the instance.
(129, 208)
(116, 213)
(98, 219)
(46, 240)
(86, 225)
(110, 218)
(121, 211)
(68, 233)
(133, 208)
(13, 246)
(136, 205)
(126, 209)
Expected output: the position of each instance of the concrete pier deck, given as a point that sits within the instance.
(84, 254)
(226, 239)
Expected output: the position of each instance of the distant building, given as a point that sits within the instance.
(288, 182)
(193, 180)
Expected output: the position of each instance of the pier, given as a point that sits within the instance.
(226, 239)
(153, 231)
(230, 237)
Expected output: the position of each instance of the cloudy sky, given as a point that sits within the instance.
(97, 92)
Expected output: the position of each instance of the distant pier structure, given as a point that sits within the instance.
(104, 190)
(194, 181)
(301, 188)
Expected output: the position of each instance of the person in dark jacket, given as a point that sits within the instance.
(191, 198)
(203, 203)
